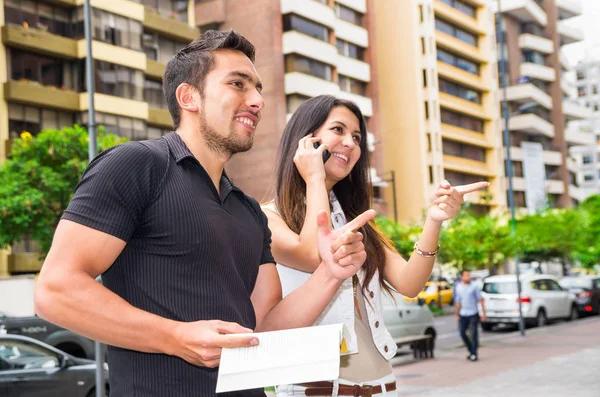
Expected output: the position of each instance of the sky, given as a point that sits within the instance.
(589, 22)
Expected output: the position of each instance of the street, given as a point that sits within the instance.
(557, 360)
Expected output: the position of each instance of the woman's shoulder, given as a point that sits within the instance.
(270, 206)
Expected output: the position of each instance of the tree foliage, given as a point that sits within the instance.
(38, 181)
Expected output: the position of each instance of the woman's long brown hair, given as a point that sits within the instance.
(355, 192)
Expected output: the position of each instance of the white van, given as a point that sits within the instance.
(542, 299)
(403, 318)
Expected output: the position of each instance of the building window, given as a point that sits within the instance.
(588, 177)
(295, 23)
(115, 29)
(47, 71)
(532, 28)
(587, 159)
(294, 101)
(153, 94)
(116, 80)
(459, 149)
(457, 61)
(128, 127)
(348, 14)
(34, 120)
(173, 9)
(462, 121)
(155, 132)
(458, 178)
(533, 57)
(455, 31)
(462, 7)
(160, 48)
(40, 15)
(348, 84)
(350, 50)
(459, 91)
(581, 91)
(297, 63)
(580, 75)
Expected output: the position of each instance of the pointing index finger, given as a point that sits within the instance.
(360, 220)
(464, 189)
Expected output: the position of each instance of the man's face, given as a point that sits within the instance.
(466, 277)
(231, 103)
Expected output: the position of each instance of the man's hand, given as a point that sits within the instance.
(483, 317)
(342, 250)
(200, 342)
(448, 200)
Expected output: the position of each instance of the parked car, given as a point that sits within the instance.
(30, 368)
(586, 290)
(403, 318)
(435, 292)
(542, 299)
(42, 330)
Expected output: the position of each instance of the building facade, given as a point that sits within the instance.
(42, 72)
(539, 96)
(438, 91)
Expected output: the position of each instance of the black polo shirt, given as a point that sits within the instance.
(191, 254)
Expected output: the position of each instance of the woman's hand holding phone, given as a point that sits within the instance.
(310, 158)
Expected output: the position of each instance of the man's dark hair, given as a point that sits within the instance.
(463, 271)
(193, 62)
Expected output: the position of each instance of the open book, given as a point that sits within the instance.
(282, 357)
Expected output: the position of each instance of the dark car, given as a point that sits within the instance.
(587, 291)
(30, 368)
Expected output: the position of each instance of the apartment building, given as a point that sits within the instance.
(540, 98)
(305, 48)
(438, 95)
(42, 73)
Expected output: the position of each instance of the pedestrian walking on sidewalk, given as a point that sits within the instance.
(467, 296)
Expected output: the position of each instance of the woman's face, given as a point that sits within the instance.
(341, 133)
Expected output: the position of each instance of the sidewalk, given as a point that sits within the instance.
(558, 360)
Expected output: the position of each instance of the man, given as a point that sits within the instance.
(184, 255)
(466, 299)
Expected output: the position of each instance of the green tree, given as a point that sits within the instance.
(471, 241)
(38, 181)
(587, 245)
(403, 236)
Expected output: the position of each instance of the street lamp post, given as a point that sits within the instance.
(92, 152)
(500, 35)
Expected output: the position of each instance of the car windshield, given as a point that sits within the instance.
(430, 289)
(576, 283)
(500, 288)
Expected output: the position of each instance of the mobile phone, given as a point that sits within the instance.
(326, 153)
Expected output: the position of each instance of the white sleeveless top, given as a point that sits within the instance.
(341, 307)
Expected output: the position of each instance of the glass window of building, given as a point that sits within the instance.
(293, 22)
(532, 28)
(115, 29)
(459, 91)
(47, 71)
(153, 94)
(294, 101)
(173, 9)
(459, 178)
(348, 84)
(460, 149)
(533, 57)
(156, 132)
(457, 61)
(32, 119)
(581, 91)
(462, 7)
(39, 14)
(350, 50)
(580, 75)
(348, 14)
(116, 80)
(134, 129)
(453, 30)
(297, 63)
(461, 120)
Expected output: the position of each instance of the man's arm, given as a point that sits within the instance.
(67, 294)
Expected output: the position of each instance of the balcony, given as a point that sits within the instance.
(539, 72)
(33, 93)
(299, 43)
(354, 68)
(458, 18)
(26, 262)
(358, 5)
(462, 106)
(550, 157)
(526, 93)
(569, 34)
(351, 33)
(574, 136)
(311, 10)
(39, 41)
(523, 10)
(160, 117)
(210, 12)
(304, 84)
(364, 103)
(169, 27)
(467, 166)
(568, 87)
(537, 43)
(577, 193)
(451, 43)
(568, 8)
(555, 186)
(531, 124)
(574, 111)
(154, 68)
(461, 76)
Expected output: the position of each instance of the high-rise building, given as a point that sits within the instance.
(42, 72)
(438, 100)
(304, 48)
(539, 97)
(586, 154)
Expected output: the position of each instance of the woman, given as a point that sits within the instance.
(304, 186)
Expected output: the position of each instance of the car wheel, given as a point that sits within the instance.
(486, 327)
(541, 319)
(574, 314)
(92, 392)
(431, 331)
